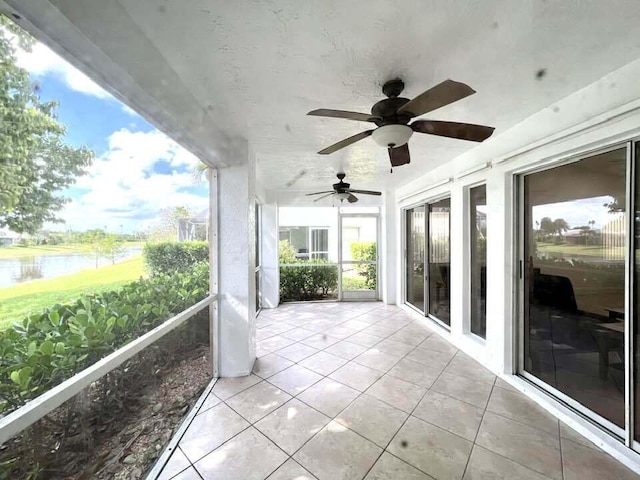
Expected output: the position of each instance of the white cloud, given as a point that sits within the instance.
(123, 187)
(41, 60)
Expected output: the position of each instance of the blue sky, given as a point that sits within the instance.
(138, 171)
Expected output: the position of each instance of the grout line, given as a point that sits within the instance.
(475, 438)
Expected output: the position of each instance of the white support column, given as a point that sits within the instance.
(388, 249)
(270, 256)
(236, 263)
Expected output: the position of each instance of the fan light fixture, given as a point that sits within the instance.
(392, 136)
(342, 196)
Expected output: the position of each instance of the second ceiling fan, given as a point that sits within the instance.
(392, 116)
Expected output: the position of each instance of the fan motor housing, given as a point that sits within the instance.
(387, 110)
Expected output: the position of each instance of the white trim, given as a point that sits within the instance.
(470, 171)
(37, 408)
(425, 190)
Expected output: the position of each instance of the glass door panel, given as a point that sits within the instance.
(359, 257)
(574, 281)
(478, 240)
(439, 260)
(415, 239)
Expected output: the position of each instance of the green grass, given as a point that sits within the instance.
(18, 301)
(594, 250)
(15, 251)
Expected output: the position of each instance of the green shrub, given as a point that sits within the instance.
(366, 251)
(45, 349)
(171, 257)
(308, 281)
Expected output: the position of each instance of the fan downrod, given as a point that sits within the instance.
(393, 88)
(340, 176)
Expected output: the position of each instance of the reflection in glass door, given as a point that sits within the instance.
(359, 257)
(439, 260)
(415, 223)
(574, 231)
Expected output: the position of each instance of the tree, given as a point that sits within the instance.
(547, 227)
(167, 228)
(200, 173)
(111, 247)
(95, 239)
(560, 226)
(35, 162)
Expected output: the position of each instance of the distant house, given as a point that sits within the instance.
(194, 228)
(8, 238)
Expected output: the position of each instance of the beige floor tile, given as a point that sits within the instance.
(521, 443)
(355, 324)
(485, 464)
(397, 393)
(297, 352)
(249, 455)
(380, 331)
(320, 341)
(211, 401)
(295, 379)
(291, 425)
(409, 337)
(430, 358)
(328, 396)
(176, 464)
(500, 383)
(298, 334)
(337, 453)
(291, 470)
(356, 376)
(517, 407)
(257, 401)
(210, 430)
(414, 372)
(389, 467)
(431, 449)
(451, 414)
(188, 474)
(229, 386)
(378, 360)
(467, 367)
(372, 419)
(341, 331)
(463, 388)
(364, 339)
(270, 365)
(323, 363)
(570, 434)
(584, 463)
(439, 344)
(274, 343)
(346, 350)
(394, 348)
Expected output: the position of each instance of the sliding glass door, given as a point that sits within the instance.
(574, 229)
(415, 274)
(478, 260)
(428, 259)
(439, 261)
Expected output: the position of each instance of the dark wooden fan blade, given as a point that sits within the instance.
(463, 131)
(399, 155)
(324, 196)
(352, 198)
(443, 94)
(345, 143)
(325, 112)
(318, 193)
(365, 192)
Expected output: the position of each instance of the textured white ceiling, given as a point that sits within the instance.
(254, 68)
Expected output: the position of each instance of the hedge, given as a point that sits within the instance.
(45, 349)
(170, 257)
(308, 281)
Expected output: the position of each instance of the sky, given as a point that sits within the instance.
(137, 170)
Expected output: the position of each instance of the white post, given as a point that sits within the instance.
(270, 256)
(388, 253)
(236, 263)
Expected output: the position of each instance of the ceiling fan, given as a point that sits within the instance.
(343, 191)
(393, 114)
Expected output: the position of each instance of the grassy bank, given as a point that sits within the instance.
(15, 251)
(20, 300)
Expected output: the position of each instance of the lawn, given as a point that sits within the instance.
(15, 251)
(567, 248)
(20, 300)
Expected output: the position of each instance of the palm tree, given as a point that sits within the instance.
(200, 173)
(560, 225)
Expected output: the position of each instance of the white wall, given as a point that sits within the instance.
(595, 117)
(313, 217)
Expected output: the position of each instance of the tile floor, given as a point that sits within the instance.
(361, 391)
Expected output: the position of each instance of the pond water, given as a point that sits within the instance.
(25, 269)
